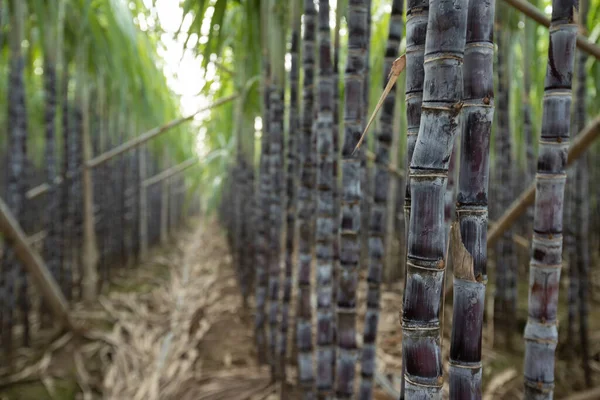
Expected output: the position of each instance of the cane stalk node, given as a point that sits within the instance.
(457, 107)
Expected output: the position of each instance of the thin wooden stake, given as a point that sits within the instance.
(582, 141)
(32, 262)
(190, 162)
(535, 14)
(151, 134)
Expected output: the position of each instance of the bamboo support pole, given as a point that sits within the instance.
(168, 173)
(582, 141)
(37, 237)
(42, 189)
(534, 13)
(37, 191)
(35, 266)
(519, 240)
(143, 138)
(151, 134)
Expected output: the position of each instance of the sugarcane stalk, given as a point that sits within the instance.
(417, 14)
(51, 244)
(581, 208)
(444, 48)
(306, 374)
(541, 333)
(262, 210)
(261, 237)
(325, 208)
(350, 218)
(378, 211)
(13, 280)
(291, 181)
(66, 227)
(365, 165)
(506, 263)
(340, 10)
(275, 211)
(276, 172)
(468, 242)
(450, 194)
(529, 41)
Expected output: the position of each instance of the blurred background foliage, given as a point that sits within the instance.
(232, 32)
(121, 41)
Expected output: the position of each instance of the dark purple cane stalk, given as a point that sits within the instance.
(442, 95)
(275, 218)
(541, 333)
(66, 228)
(336, 151)
(470, 273)
(365, 164)
(378, 217)
(351, 198)
(13, 278)
(291, 181)
(76, 204)
(304, 342)
(528, 54)
(416, 27)
(325, 208)
(506, 263)
(276, 172)
(262, 212)
(450, 192)
(262, 204)
(582, 208)
(51, 245)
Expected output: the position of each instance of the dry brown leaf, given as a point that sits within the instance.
(397, 68)
(462, 261)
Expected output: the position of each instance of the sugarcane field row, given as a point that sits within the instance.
(303, 199)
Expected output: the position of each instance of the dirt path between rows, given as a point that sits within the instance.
(174, 327)
(189, 338)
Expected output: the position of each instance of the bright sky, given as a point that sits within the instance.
(182, 68)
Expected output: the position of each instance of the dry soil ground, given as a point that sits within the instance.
(174, 328)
